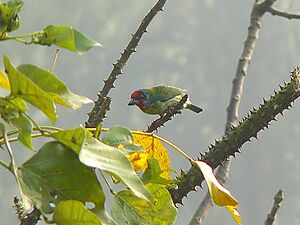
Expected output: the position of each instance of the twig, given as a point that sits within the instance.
(101, 106)
(257, 120)
(54, 60)
(276, 205)
(107, 183)
(169, 114)
(277, 12)
(6, 166)
(258, 10)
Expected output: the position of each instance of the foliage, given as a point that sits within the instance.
(61, 178)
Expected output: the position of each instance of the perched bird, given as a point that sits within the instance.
(157, 100)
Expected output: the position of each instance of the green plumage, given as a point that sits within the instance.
(157, 100)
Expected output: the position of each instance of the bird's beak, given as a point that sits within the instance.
(132, 102)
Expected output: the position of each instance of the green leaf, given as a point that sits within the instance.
(50, 83)
(54, 174)
(24, 127)
(27, 203)
(121, 137)
(23, 87)
(128, 209)
(73, 138)
(73, 212)
(9, 19)
(153, 172)
(97, 154)
(8, 110)
(11, 112)
(19, 103)
(67, 37)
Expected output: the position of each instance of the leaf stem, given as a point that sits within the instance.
(6, 166)
(24, 35)
(54, 60)
(166, 142)
(158, 137)
(44, 128)
(107, 183)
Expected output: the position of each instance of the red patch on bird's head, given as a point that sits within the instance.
(138, 98)
(136, 94)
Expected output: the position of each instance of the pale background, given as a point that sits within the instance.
(194, 45)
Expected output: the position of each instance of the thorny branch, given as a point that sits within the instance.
(102, 104)
(172, 111)
(258, 10)
(231, 143)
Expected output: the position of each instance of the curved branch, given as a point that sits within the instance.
(277, 12)
(101, 106)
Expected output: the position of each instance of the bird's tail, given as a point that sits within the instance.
(194, 108)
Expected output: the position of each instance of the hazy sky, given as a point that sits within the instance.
(194, 45)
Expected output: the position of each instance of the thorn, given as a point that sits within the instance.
(202, 156)
(180, 202)
(217, 141)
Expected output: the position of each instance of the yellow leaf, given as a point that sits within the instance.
(4, 83)
(235, 214)
(138, 160)
(154, 148)
(220, 195)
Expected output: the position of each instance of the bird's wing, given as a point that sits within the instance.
(165, 93)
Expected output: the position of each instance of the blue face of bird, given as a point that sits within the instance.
(140, 98)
